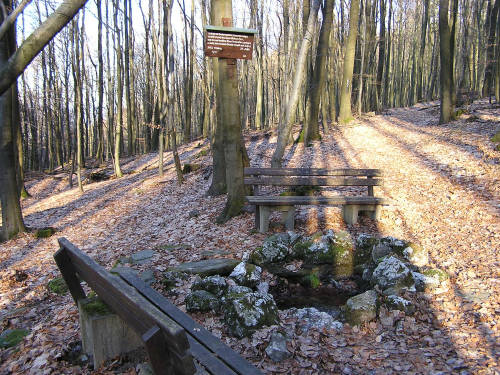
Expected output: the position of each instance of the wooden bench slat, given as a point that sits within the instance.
(124, 300)
(200, 333)
(208, 360)
(311, 172)
(314, 181)
(302, 201)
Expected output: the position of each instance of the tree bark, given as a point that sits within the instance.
(228, 100)
(446, 49)
(12, 218)
(317, 84)
(345, 113)
(286, 127)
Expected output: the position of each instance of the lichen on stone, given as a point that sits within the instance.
(202, 301)
(361, 308)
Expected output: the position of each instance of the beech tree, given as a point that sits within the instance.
(13, 61)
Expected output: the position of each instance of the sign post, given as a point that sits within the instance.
(229, 42)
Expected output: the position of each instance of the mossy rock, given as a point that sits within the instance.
(341, 247)
(436, 273)
(202, 301)
(496, 137)
(189, 167)
(58, 286)
(311, 280)
(93, 305)
(364, 247)
(45, 232)
(361, 308)
(12, 337)
(202, 153)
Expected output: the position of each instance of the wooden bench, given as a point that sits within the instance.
(171, 338)
(293, 177)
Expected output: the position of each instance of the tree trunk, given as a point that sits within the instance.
(490, 51)
(286, 127)
(12, 218)
(100, 79)
(381, 54)
(446, 48)
(345, 113)
(119, 91)
(228, 100)
(317, 85)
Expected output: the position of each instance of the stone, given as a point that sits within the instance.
(263, 287)
(341, 246)
(209, 267)
(246, 274)
(395, 244)
(12, 337)
(148, 277)
(142, 257)
(201, 301)
(277, 350)
(416, 255)
(392, 273)
(193, 213)
(394, 302)
(245, 314)
(380, 250)
(104, 334)
(172, 279)
(58, 286)
(430, 279)
(235, 291)
(45, 232)
(275, 248)
(311, 318)
(364, 246)
(144, 369)
(214, 284)
(361, 308)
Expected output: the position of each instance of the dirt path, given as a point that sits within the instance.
(443, 183)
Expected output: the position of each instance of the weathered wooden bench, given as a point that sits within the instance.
(293, 177)
(171, 338)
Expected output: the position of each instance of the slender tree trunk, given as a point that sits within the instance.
(12, 218)
(234, 148)
(420, 82)
(286, 127)
(100, 79)
(317, 85)
(381, 54)
(489, 72)
(345, 114)
(119, 92)
(447, 46)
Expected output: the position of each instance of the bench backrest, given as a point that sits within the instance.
(165, 341)
(312, 176)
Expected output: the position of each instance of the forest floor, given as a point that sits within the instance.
(443, 182)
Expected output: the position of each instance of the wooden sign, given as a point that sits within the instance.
(229, 42)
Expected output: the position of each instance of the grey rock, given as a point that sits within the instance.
(203, 301)
(380, 250)
(144, 369)
(277, 350)
(193, 214)
(311, 318)
(142, 257)
(214, 284)
(430, 279)
(274, 249)
(395, 244)
(235, 291)
(172, 279)
(394, 302)
(208, 267)
(245, 314)
(263, 287)
(416, 255)
(391, 272)
(364, 246)
(246, 274)
(148, 277)
(361, 308)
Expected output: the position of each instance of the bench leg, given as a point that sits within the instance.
(372, 211)
(264, 212)
(350, 213)
(257, 217)
(288, 217)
